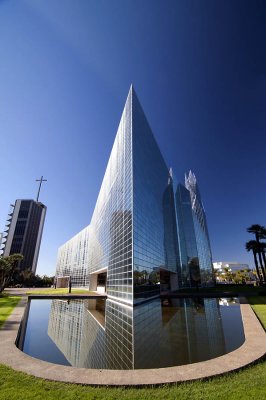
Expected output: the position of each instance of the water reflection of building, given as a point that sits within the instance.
(65, 328)
(151, 335)
(191, 331)
(119, 336)
(147, 234)
(93, 334)
(93, 339)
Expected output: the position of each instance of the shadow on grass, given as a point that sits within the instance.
(9, 326)
(258, 304)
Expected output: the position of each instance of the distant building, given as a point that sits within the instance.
(222, 269)
(232, 266)
(72, 260)
(24, 232)
(1, 238)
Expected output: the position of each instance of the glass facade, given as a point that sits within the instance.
(148, 234)
(72, 259)
(154, 230)
(201, 231)
(110, 245)
(190, 275)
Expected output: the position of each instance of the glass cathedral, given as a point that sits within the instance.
(148, 234)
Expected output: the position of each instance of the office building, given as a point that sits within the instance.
(24, 232)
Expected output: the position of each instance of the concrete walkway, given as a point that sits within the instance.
(253, 349)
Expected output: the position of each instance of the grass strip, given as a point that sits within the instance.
(246, 384)
(59, 291)
(7, 303)
(258, 303)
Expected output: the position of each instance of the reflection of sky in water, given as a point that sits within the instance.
(99, 334)
(37, 343)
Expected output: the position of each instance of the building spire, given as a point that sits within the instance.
(41, 181)
(190, 180)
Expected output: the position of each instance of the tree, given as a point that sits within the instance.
(27, 278)
(228, 274)
(262, 246)
(47, 280)
(260, 233)
(8, 266)
(252, 245)
(258, 230)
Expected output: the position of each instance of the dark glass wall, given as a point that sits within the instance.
(190, 275)
(26, 233)
(201, 231)
(151, 209)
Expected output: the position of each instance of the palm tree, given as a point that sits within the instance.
(252, 245)
(263, 245)
(260, 233)
(262, 249)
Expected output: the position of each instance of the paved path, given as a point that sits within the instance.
(17, 291)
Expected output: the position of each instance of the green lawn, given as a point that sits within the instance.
(6, 306)
(258, 304)
(59, 291)
(250, 384)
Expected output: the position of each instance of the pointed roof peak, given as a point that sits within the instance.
(132, 90)
(190, 179)
(133, 95)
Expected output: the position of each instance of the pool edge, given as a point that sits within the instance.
(251, 350)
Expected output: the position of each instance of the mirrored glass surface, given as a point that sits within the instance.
(105, 334)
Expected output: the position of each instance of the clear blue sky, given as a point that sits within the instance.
(199, 69)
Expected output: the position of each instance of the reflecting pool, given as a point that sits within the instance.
(105, 334)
